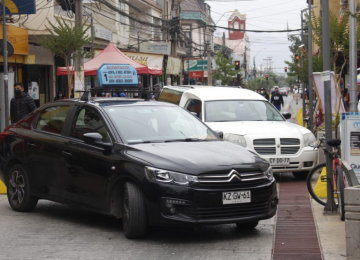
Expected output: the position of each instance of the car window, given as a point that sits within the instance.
(87, 120)
(171, 96)
(159, 124)
(240, 110)
(194, 105)
(52, 119)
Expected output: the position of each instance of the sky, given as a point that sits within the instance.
(263, 15)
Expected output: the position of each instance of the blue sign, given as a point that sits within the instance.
(117, 75)
(19, 7)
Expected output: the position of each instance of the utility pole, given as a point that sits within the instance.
(5, 56)
(79, 61)
(208, 47)
(353, 57)
(302, 67)
(310, 55)
(330, 204)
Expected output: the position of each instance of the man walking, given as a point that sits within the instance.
(264, 93)
(21, 105)
(277, 99)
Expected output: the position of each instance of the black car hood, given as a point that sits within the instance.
(198, 157)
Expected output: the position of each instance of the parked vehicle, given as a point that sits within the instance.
(249, 120)
(284, 92)
(147, 162)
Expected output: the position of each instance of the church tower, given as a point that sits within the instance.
(237, 21)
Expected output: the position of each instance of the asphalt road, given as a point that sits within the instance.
(55, 231)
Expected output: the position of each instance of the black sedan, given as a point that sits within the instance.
(149, 163)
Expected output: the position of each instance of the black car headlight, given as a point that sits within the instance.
(165, 176)
(269, 173)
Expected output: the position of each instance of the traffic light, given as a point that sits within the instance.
(285, 69)
(267, 77)
(297, 57)
(237, 65)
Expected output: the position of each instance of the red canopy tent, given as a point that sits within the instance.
(110, 54)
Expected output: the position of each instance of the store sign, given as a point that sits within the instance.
(195, 65)
(173, 66)
(158, 48)
(18, 37)
(151, 60)
(19, 7)
(102, 33)
(198, 74)
(117, 75)
(29, 59)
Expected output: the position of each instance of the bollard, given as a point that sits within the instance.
(352, 222)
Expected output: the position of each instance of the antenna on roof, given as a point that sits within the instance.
(85, 96)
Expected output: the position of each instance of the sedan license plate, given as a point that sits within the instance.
(235, 197)
(279, 161)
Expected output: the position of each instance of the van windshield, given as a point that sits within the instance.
(240, 110)
(146, 124)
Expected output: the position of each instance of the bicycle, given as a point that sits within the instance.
(317, 177)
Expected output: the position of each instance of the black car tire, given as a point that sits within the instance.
(134, 212)
(301, 175)
(247, 225)
(18, 190)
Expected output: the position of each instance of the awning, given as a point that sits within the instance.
(110, 54)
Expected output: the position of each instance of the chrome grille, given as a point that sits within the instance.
(290, 150)
(289, 141)
(269, 141)
(265, 150)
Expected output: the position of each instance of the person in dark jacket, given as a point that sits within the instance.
(21, 105)
(277, 99)
(264, 93)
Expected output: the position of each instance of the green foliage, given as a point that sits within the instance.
(225, 71)
(66, 41)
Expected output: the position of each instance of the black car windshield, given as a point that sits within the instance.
(240, 110)
(141, 124)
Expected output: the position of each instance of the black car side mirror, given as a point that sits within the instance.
(287, 115)
(220, 134)
(95, 139)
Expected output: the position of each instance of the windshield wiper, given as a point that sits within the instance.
(146, 142)
(184, 140)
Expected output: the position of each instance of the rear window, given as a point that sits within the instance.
(170, 96)
(52, 119)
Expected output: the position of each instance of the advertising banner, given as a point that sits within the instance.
(117, 75)
(195, 65)
(150, 60)
(350, 140)
(33, 90)
(158, 48)
(19, 7)
(173, 66)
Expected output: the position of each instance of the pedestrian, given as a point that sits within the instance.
(264, 94)
(277, 99)
(59, 96)
(21, 105)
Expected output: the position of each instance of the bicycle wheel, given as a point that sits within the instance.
(317, 189)
(340, 191)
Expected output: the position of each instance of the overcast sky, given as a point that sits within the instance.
(263, 15)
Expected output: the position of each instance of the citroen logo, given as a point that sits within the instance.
(234, 174)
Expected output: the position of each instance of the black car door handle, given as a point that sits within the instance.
(65, 153)
(31, 145)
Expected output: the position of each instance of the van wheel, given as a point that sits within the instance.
(18, 190)
(247, 225)
(134, 212)
(301, 175)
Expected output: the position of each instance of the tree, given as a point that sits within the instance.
(65, 40)
(225, 70)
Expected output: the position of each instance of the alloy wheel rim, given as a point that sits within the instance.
(17, 188)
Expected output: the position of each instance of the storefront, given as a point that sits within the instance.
(195, 71)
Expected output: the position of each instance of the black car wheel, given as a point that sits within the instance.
(18, 190)
(247, 225)
(134, 212)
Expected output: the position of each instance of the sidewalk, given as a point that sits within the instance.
(331, 233)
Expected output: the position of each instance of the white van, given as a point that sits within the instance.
(248, 119)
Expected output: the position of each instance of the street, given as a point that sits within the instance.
(55, 231)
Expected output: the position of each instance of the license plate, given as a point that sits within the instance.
(279, 161)
(235, 197)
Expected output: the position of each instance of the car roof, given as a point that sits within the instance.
(225, 93)
(114, 101)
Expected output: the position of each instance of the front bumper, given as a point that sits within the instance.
(177, 205)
